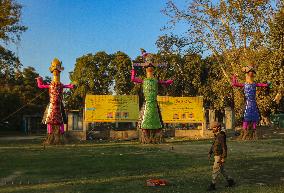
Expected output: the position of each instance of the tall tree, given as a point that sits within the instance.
(28, 91)
(184, 69)
(225, 28)
(9, 65)
(10, 31)
(10, 17)
(22, 98)
(91, 75)
(121, 67)
(10, 102)
(272, 59)
(229, 30)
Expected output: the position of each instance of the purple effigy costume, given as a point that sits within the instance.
(251, 114)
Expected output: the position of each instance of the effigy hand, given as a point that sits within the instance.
(71, 86)
(40, 83)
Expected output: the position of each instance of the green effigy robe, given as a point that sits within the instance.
(150, 117)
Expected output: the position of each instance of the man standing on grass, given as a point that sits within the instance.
(219, 148)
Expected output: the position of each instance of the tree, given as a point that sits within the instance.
(10, 102)
(276, 37)
(10, 15)
(272, 60)
(276, 33)
(91, 75)
(9, 65)
(22, 98)
(10, 31)
(168, 44)
(225, 28)
(121, 67)
(184, 69)
(28, 91)
(233, 32)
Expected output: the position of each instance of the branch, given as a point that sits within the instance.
(218, 59)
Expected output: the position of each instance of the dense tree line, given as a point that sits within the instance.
(234, 34)
(17, 85)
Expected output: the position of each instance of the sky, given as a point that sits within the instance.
(68, 29)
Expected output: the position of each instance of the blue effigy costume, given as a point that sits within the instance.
(251, 113)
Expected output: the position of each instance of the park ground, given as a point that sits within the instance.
(124, 167)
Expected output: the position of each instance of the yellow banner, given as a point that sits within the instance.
(111, 108)
(181, 109)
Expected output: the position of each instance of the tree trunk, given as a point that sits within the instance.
(149, 136)
(56, 137)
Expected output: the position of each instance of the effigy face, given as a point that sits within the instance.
(55, 72)
(56, 65)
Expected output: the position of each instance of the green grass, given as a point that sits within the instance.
(124, 167)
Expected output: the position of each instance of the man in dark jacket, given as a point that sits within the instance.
(219, 149)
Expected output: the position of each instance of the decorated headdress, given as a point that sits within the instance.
(143, 53)
(56, 65)
(248, 69)
(148, 59)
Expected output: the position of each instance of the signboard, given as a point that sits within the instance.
(111, 108)
(181, 109)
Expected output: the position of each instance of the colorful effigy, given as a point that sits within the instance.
(251, 113)
(150, 121)
(54, 116)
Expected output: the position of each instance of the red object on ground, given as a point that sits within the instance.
(157, 182)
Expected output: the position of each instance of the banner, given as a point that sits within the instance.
(181, 109)
(111, 108)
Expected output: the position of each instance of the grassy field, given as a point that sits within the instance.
(25, 166)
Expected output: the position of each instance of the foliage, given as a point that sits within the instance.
(233, 33)
(22, 97)
(17, 87)
(10, 102)
(91, 75)
(120, 68)
(9, 66)
(272, 61)
(10, 31)
(10, 15)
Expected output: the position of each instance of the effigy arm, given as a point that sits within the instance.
(166, 82)
(71, 86)
(263, 84)
(135, 79)
(40, 83)
(235, 82)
